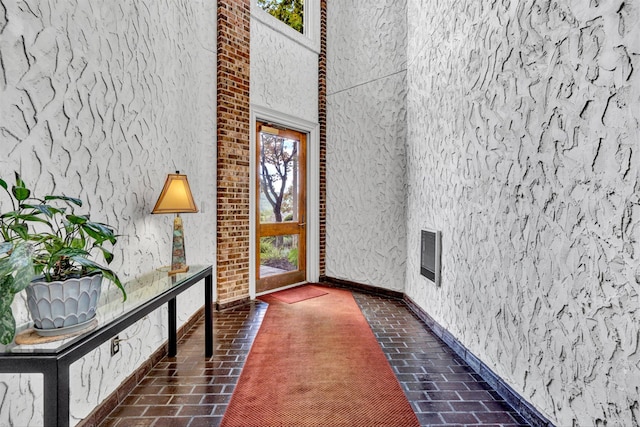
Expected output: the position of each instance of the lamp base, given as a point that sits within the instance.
(178, 256)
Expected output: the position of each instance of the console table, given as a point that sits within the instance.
(144, 295)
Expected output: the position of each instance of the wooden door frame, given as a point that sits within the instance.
(285, 228)
(312, 129)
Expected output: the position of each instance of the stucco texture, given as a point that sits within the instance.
(284, 73)
(523, 133)
(366, 140)
(100, 100)
(521, 145)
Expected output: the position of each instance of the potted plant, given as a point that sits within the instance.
(47, 247)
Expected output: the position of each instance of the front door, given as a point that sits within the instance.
(281, 207)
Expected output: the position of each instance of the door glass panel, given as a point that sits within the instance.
(278, 254)
(279, 180)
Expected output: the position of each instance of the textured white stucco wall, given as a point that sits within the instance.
(284, 68)
(366, 139)
(101, 100)
(523, 148)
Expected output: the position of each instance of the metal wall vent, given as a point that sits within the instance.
(430, 248)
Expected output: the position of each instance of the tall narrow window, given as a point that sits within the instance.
(291, 12)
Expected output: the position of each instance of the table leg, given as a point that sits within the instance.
(173, 326)
(208, 323)
(63, 393)
(50, 380)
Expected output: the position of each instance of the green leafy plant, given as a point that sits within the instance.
(45, 237)
(268, 249)
(292, 256)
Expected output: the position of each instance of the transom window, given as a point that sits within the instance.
(291, 12)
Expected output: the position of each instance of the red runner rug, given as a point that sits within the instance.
(298, 294)
(317, 364)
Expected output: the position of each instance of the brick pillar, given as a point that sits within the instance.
(233, 134)
(322, 119)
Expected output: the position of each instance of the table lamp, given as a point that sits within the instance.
(176, 198)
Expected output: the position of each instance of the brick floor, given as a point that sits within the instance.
(442, 389)
(191, 391)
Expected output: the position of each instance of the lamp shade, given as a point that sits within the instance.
(175, 197)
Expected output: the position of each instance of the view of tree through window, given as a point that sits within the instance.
(290, 12)
(278, 178)
(278, 202)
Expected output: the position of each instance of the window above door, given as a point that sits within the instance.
(305, 29)
(291, 12)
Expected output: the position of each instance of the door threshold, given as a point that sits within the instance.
(281, 289)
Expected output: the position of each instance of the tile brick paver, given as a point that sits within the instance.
(191, 391)
(442, 389)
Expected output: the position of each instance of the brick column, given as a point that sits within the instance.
(322, 119)
(233, 134)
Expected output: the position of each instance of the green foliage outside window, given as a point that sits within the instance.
(291, 12)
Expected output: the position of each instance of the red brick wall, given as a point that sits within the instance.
(322, 119)
(233, 136)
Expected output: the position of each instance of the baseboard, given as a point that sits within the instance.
(101, 411)
(517, 402)
(347, 284)
(232, 304)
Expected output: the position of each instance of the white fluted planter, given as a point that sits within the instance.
(63, 306)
